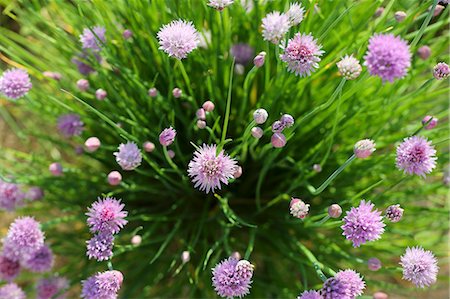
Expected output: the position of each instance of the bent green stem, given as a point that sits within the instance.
(228, 108)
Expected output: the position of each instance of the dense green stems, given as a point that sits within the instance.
(325, 184)
(315, 263)
(187, 81)
(424, 24)
(228, 108)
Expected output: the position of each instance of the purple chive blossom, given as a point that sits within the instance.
(178, 38)
(70, 125)
(278, 126)
(441, 71)
(416, 155)
(298, 208)
(419, 266)
(23, 238)
(100, 246)
(352, 281)
(431, 120)
(364, 148)
(129, 156)
(11, 291)
(208, 169)
(48, 288)
(275, 25)
(220, 4)
(9, 269)
(167, 136)
(104, 285)
(374, 264)
(107, 215)
(295, 13)
(349, 67)
(388, 57)
(310, 295)
(15, 83)
(287, 120)
(232, 278)
(40, 261)
(259, 59)
(81, 62)
(394, 213)
(242, 53)
(302, 54)
(334, 289)
(11, 196)
(93, 38)
(362, 224)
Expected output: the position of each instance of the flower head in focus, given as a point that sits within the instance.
(178, 38)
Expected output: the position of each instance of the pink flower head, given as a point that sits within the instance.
(208, 106)
(15, 83)
(70, 125)
(48, 288)
(101, 94)
(295, 13)
(103, 285)
(232, 278)
(9, 269)
(129, 156)
(278, 140)
(431, 124)
(310, 295)
(220, 4)
(394, 213)
(11, 196)
(178, 38)
(416, 155)
(364, 148)
(40, 260)
(419, 266)
(93, 38)
(107, 215)
(24, 237)
(208, 169)
(349, 67)
(441, 71)
(92, 144)
(388, 57)
(167, 136)
(275, 25)
(363, 224)
(100, 246)
(153, 92)
(346, 284)
(302, 54)
(11, 291)
(298, 208)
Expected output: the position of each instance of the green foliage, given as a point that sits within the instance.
(250, 215)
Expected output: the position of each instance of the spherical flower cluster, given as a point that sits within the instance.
(178, 38)
(302, 54)
(298, 208)
(346, 284)
(430, 122)
(364, 148)
(334, 211)
(15, 83)
(101, 94)
(310, 295)
(70, 125)
(232, 278)
(11, 196)
(208, 169)
(362, 225)
(106, 215)
(394, 213)
(9, 269)
(388, 57)
(416, 155)
(102, 285)
(114, 178)
(39, 261)
(93, 38)
(419, 266)
(295, 13)
(220, 4)
(374, 264)
(48, 288)
(349, 67)
(260, 116)
(257, 132)
(242, 53)
(11, 291)
(278, 140)
(92, 144)
(100, 246)
(24, 237)
(167, 136)
(441, 71)
(83, 84)
(275, 25)
(129, 156)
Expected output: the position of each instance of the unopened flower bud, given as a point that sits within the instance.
(374, 264)
(177, 92)
(171, 154)
(92, 144)
(433, 123)
(287, 120)
(259, 59)
(257, 132)
(278, 140)
(148, 146)
(364, 148)
(114, 178)
(239, 69)
(380, 295)
(424, 52)
(317, 168)
(185, 257)
(83, 84)
(437, 10)
(201, 124)
(208, 106)
(441, 71)
(260, 116)
(201, 114)
(52, 75)
(334, 211)
(127, 34)
(238, 172)
(400, 16)
(56, 169)
(236, 255)
(298, 208)
(136, 240)
(278, 126)
(394, 213)
(379, 12)
(153, 92)
(100, 94)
